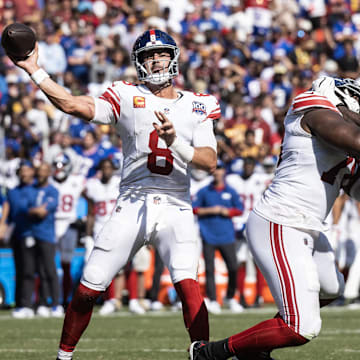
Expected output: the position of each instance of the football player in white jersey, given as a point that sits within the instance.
(70, 188)
(101, 194)
(285, 230)
(249, 185)
(163, 130)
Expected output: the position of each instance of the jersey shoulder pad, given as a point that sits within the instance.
(311, 99)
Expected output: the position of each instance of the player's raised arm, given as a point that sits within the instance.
(339, 123)
(80, 106)
(333, 129)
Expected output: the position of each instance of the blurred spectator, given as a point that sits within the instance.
(249, 186)
(28, 10)
(39, 250)
(38, 122)
(79, 58)
(92, 153)
(280, 88)
(15, 214)
(348, 63)
(206, 22)
(100, 67)
(10, 165)
(259, 12)
(62, 144)
(344, 30)
(215, 205)
(70, 187)
(52, 55)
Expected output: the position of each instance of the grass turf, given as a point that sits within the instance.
(162, 336)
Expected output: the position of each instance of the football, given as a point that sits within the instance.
(18, 40)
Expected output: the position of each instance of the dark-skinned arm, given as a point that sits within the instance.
(349, 115)
(332, 128)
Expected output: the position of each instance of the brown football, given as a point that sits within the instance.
(18, 40)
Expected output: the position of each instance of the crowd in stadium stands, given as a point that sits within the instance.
(254, 56)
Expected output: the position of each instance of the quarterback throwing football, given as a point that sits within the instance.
(163, 130)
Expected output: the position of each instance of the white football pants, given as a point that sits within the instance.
(299, 267)
(164, 221)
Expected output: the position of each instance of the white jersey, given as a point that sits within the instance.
(104, 197)
(8, 173)
(149, 166)
(309, 173)
(249, 191)
(69, 193)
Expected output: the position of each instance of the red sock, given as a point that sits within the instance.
(67, 281)
(265, 336)
(260, 281)
(132, 284)
(241, 274)
(77, 317)
(194, 309)
(110, 292)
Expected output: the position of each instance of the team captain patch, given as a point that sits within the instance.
(198, 108)
(139, 101)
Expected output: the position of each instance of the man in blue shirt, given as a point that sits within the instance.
(44, 201)
(215, 205)
(15, 212)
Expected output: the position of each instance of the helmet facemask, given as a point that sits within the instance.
(164, 75)
(347, 88)
(62, 167)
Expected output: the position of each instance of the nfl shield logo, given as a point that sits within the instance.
(157, 200)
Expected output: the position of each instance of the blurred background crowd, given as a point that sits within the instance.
(253, 55)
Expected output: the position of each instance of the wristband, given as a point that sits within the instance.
(39, 76)
(185, 151)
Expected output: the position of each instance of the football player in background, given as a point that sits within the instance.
(70, 187)
(249, 186)
(163, 130)
(285, 230)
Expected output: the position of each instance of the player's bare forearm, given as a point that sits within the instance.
(80, 106)
(5, 213)
(90, 220)
(204, 158)
(349, 115)
(334, 130)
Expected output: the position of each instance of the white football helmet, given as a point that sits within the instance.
(150, 40)
(62, 167)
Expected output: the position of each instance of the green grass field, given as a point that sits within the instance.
(160, 336)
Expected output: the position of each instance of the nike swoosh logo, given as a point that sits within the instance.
(183, 209)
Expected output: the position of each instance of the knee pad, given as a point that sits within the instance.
(94, 277)
(312, 330)
(336, 290)
(179, 275)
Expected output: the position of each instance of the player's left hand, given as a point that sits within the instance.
(166, 130)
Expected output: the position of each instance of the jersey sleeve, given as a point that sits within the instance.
(204, 132)
(311, 99)
(107, 107)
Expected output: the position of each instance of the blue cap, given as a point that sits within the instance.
(13, 144)
(25, 162)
